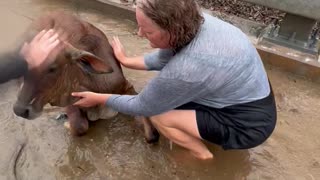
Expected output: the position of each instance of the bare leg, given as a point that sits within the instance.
(180, 126)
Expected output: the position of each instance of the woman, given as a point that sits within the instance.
(211, 86)
(32, 56)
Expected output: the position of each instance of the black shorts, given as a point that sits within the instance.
(240, 126)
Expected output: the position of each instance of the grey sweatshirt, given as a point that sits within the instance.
(218, 68)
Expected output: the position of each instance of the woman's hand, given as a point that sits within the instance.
(129, 62)
(119, 51)
(89, 99)
(37, 51)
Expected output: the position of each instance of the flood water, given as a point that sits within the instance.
(115, 149)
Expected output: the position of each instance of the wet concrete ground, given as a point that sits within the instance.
(115, 149)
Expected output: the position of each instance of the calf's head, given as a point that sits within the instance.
(70, 71)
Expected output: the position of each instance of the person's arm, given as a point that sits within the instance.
(159, 96)
(129, 62)
(134, 63)
(12, 66)
(152, 61)
(32, 55)
(157, 59)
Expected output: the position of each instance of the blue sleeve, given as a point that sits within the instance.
(159, 96)
(158, 59)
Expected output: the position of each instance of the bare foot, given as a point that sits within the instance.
(203, 156)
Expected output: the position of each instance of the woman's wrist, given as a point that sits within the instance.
(103, 98)
(124, 61)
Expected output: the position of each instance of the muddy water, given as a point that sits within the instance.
(115, 149)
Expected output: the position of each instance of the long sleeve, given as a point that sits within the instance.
(218, 68)
(158, 59)
(159, 96)
(11, 66)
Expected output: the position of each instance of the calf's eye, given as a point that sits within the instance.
(52, 69)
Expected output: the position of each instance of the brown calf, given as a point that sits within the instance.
(87, 63)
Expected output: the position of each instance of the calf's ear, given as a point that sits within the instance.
(87, 61)
(92, 64)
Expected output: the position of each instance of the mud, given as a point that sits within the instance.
(115, 149)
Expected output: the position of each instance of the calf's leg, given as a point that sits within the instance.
(151, 133)
(78, 123)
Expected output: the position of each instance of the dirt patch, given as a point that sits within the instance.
(258, 13)
(244, 10)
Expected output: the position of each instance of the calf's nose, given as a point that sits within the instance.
(22, 111)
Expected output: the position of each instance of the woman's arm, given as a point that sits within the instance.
(134, 63)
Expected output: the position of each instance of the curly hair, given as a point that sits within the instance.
(181, 18)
